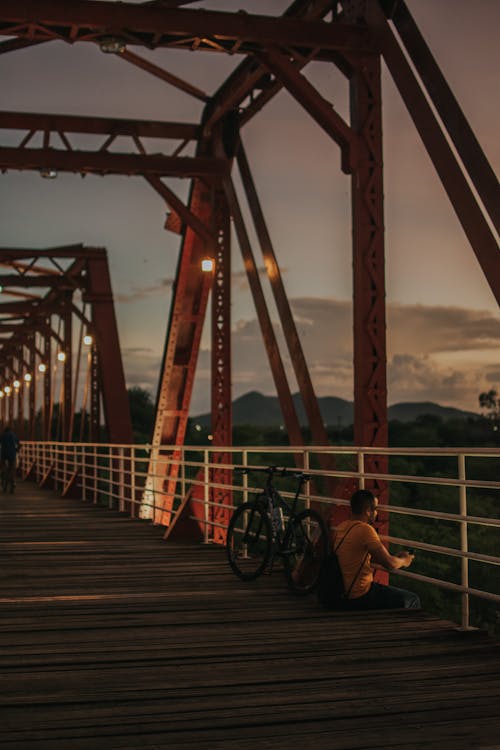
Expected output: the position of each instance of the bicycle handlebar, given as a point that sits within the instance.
(281, 471)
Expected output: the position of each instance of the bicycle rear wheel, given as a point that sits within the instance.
(305, 548)
(249, 541)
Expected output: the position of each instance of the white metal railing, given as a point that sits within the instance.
(117, 475)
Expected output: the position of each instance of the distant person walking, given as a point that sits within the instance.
(9, 445)
(358, 545)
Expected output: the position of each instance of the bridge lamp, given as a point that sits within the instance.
(207, 265)
(61, 357)
(87, 340)
(42, 367)
(110, 45)
(48, 173)
(7, 390)
(27, 377)
(16, 384)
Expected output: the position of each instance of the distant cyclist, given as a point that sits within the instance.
(9, 445)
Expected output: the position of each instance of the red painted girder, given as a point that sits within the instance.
(480, 171)
(318, 432)
(10, 254)
(111, 376)
(278, 371)
(242, 81)
(89, 162)
(163, 74)
(185, 327)
(55, 281)
(98, 125)
(454, 181)
(315, 105)
(77, 20)
(187, 216)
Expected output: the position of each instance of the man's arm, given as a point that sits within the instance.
(382, 557)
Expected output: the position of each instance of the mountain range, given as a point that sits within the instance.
(254, 408)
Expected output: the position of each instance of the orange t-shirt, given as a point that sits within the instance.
(361, 540)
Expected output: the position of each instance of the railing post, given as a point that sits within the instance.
(361, 470)
(206, 496)
(464, 547)
(110, 478)
(244, 461)
(133, 494)
(307, 485)
(121, 480)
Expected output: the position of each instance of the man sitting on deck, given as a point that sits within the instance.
(357, 545)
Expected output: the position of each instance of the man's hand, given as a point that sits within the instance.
(406, 558)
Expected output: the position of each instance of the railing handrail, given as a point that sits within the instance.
(129, 476)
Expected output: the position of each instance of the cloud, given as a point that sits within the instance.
(143, 292)
(433, 329)
(435, 353)
(142, 367)
(443, 354)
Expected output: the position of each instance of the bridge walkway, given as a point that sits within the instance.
(112, 638)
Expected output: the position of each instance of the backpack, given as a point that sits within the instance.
(331, 591)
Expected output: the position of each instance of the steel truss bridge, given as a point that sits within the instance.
(354, 36)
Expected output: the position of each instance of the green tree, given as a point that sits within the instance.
(141, 413)
(490, 402)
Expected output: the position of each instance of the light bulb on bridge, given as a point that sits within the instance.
(207, 265)
(61, 357)
(7, 389)
(16, 384)
(87, 340)
(42, 367)
(27, 377)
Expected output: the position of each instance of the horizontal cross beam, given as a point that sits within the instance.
(105, 162)
(150, 26)
(98, 125)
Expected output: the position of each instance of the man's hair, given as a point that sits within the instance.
(360, 500)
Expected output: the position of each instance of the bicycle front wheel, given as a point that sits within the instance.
(305, 548)
(249, 541)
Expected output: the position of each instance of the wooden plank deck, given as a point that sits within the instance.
(111, 638)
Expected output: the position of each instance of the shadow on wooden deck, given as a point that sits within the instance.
(112, 638)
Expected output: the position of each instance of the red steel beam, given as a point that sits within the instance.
(185, 327)
(315, 105)
(112, 379)
(480, 171)
(98, 125)
(101, 162)
(164, 75)
(369, 323)
(87, 20)
(278, 371)
(454, 182)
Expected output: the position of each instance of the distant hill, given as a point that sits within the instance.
(264, 411)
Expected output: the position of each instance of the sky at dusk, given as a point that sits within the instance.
(443, 329)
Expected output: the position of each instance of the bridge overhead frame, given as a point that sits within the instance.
(354, 36)
(61, 372)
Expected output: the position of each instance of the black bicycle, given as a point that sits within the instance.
(268, 528)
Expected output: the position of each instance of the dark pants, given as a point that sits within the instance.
(385, 597)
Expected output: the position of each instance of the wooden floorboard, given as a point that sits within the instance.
(112, 638)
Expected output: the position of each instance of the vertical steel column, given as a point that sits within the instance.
(67, 373)
(221, 365)
(47, 385)
(111, 375)
(95, 395)
(32, 387)
(370, 359)
(187, 316)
